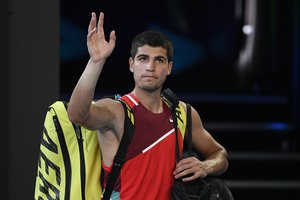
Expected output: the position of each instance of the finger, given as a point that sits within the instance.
(91, 33)
(184, 161)
(181, 167)
(100, 23)
(112, 38)
(196, 174)
(191, 178)
(185, 172)
(184, 164)
(92, 24)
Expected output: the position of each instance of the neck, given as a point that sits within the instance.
(151, 100)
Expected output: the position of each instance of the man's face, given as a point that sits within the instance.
(150, 67)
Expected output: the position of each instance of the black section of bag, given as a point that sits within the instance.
(210, 188)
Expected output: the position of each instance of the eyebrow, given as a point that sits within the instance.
(156, 57)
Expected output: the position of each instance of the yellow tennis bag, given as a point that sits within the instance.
(69, 162)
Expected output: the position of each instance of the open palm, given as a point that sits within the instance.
(98, 47)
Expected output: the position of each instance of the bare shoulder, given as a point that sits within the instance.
(107, 113)
(109, 103)
(193, 110)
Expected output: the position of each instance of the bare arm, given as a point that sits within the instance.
(215, 155)
(81, 110)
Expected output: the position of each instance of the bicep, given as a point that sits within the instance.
(203, 142)
(102, 114)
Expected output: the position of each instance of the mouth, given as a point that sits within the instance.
(149, 77)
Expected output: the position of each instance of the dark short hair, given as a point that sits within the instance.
(153, 39)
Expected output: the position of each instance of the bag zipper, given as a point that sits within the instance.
(65, 154)
(82, 160)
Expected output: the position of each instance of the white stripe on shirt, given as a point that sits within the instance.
(157, 141)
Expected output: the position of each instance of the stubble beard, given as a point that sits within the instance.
(151, 87)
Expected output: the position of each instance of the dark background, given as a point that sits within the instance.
(245, 87)
(207, 37)
(251, 107)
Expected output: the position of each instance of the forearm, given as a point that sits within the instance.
(217, 163)
(84, 91)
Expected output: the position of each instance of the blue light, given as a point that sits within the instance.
(278, 126)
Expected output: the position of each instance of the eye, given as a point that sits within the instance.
(142, 58)
(160, 60)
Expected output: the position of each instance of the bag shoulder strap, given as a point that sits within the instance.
(173, 102)
(119, 158)
(189, 129)
(188, 140)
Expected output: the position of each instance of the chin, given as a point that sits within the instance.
(150, 88)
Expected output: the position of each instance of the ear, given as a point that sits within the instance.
(131, 64)
(170, 66)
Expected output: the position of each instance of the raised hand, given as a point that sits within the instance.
(99, 49)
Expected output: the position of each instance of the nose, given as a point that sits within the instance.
(150, 65)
